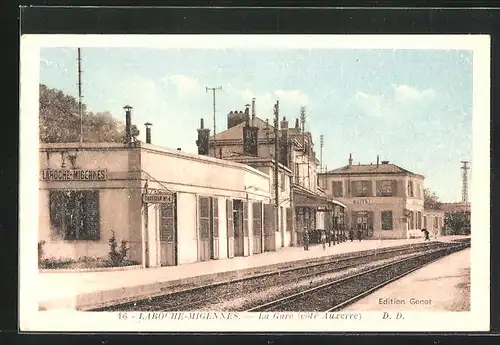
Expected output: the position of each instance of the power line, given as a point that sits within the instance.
(213, 89)
(80, 94)
(465, 183)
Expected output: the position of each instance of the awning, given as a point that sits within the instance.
(305, 198)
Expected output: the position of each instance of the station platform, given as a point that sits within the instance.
(443, 285)
(87, 290)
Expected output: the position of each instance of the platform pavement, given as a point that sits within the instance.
(443, 285)
(83, 290)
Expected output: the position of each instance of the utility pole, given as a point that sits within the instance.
(276, 160)
(465, 184)
(79, 60)
(213, 89)
(321, 142)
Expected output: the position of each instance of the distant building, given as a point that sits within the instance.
(383, 199)
(249, 136)
(451, 207)
(434, 221)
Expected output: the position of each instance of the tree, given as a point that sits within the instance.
(60, 121)
(431, 200)
(457, 223)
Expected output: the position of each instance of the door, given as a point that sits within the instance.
(238, 228)
(205, 229)
(168, 233)
(269, 228)
(257, 227)
(230, 228)
(214, 222)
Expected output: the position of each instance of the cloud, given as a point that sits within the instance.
(292, 96)
(408, 93)
(183, 83)
(402, 100)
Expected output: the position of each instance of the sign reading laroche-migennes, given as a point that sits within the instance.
(74, 175)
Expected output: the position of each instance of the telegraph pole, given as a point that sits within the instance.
(276, 160)
(465, 183)
(79, 60)
(213, 89)
(321, 142)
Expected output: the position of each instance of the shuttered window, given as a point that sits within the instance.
(74, 214)
(204, 219)
(386, 188)
(337, 189)
(257, 218)
(245, 218)
(215, 207)
(229, 216)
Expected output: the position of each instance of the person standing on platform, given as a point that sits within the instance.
(426, 233)
(323, 239)
(306, 239)
(351, 233)
(360, 232)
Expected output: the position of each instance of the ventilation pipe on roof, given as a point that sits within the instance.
(377, 160)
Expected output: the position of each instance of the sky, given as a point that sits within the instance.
(411, 107)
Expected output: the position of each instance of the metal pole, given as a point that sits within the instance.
(276, 160)
(213, 89)
(80, 94)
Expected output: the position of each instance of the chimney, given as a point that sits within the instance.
(297, 124)
(203, 141)
(377, 160)
(284, 124)
(179, 149)
(253, 111)
(350, 159)
(148, 132)
(247, 114)
(128, 124)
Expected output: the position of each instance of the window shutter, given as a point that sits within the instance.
(215, 203)
(229, 216)
(204, 217)
(245, 218)
(257, 218)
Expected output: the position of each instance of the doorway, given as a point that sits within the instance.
(168, 233)
(238, 218)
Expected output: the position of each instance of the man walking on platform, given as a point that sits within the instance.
(351, 233)
(305, 237)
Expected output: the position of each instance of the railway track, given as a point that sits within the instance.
(337, 294)
(200, 296)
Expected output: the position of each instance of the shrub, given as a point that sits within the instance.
(117, 257)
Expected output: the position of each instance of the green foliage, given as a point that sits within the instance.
(60, 120)
(457, 223)
(117, 257)
(431, 201)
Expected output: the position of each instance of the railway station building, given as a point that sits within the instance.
(170, 206)
(385, 200)
(247, 135)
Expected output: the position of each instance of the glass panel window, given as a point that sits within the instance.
(386, 220)
(74, 214)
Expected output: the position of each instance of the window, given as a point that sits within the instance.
(386, 220)
(412, 219)
(362, 188)
(282, 181)
(386, 188)
(297, 173)
(425, 222)
(435, 222)
(74, 214)
(337, 189)
(410, 189)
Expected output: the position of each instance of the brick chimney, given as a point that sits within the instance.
(350, 159)
(203, 139)
(128, 124)
(234, 118)
(297, 123)
(253, 111)
(148, 132)
(284, 123)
